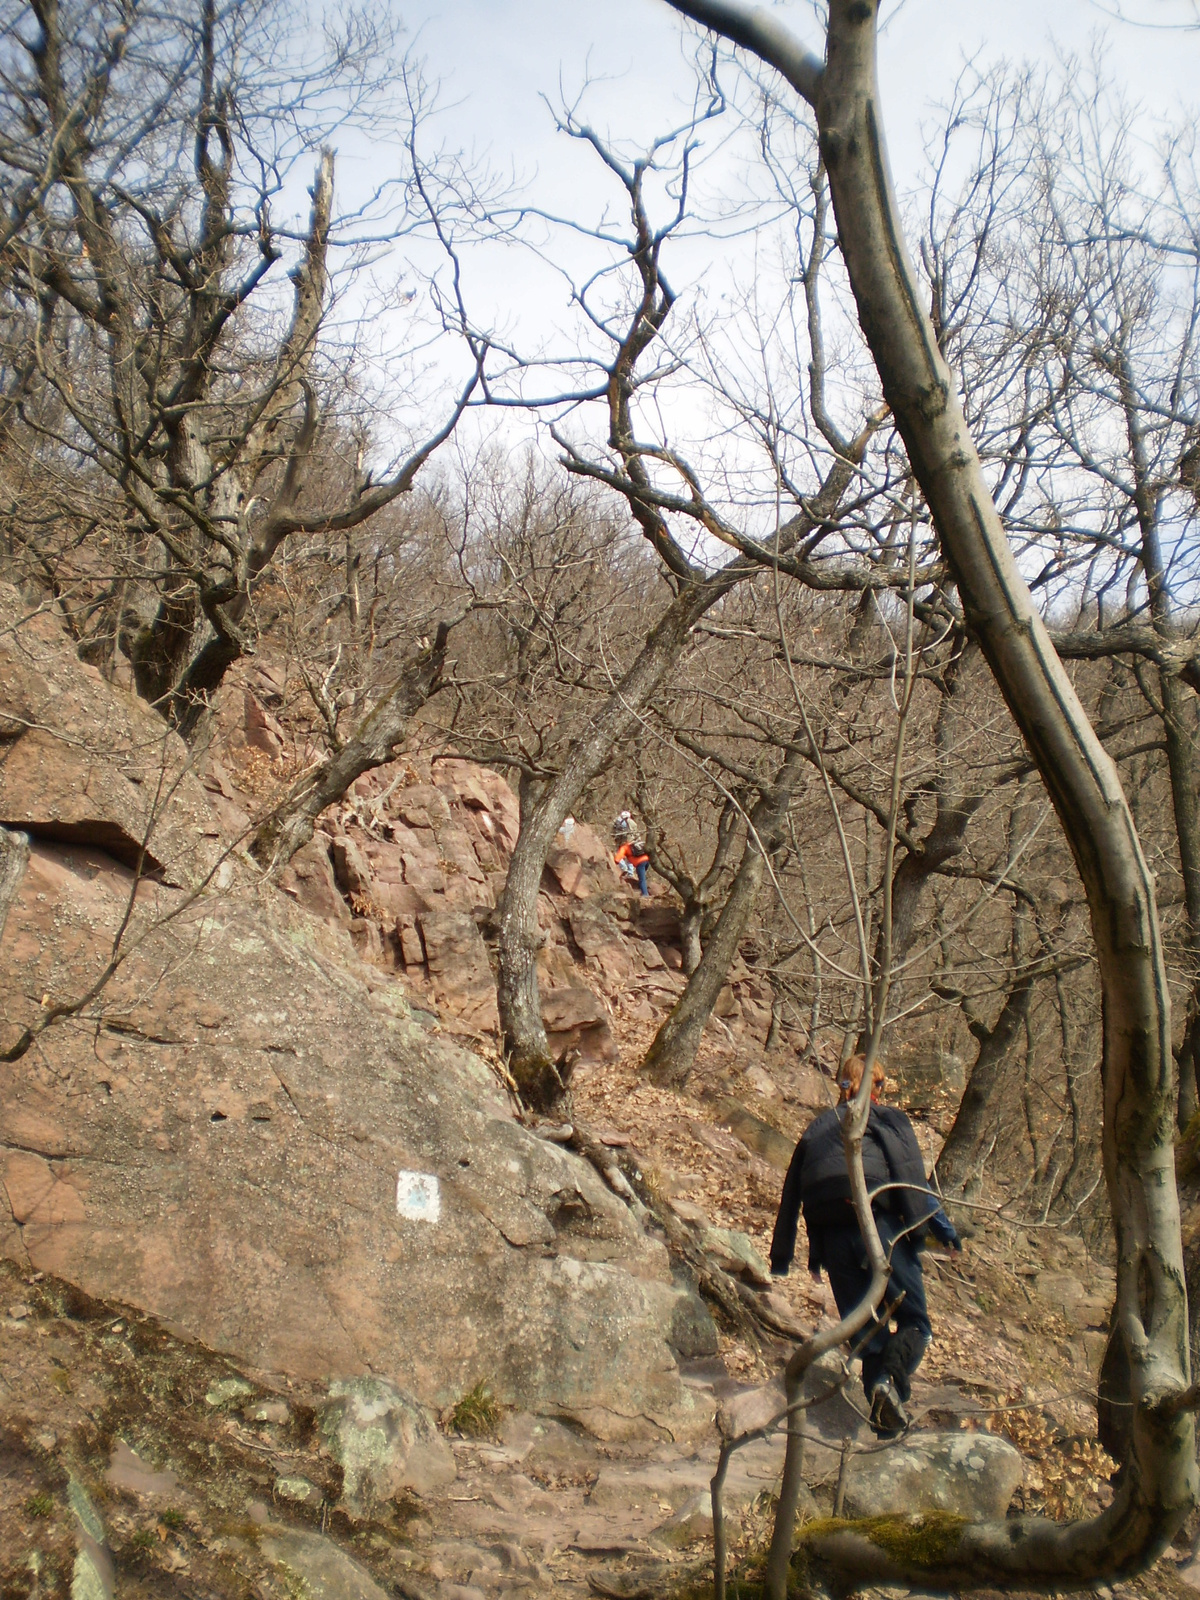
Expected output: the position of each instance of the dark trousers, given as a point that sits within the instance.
(884, 1353)
(643, 885)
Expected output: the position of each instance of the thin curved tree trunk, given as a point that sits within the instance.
(1160, 1489)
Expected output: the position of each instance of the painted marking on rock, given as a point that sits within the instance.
(418, 1197)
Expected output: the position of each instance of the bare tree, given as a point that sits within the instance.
(160, 376)
(1083, 784)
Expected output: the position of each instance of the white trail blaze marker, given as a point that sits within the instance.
(418, 1197)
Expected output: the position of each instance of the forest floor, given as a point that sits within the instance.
(182, 1459)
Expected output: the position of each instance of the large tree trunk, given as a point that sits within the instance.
(375, 742)
(672, 1053)
(1160, 1488)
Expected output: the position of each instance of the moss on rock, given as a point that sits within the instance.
(926, 1539)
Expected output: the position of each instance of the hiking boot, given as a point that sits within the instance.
(888, 1416)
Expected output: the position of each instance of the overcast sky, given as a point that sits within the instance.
(498, 61)
(496, 57)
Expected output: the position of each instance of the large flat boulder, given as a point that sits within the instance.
(247, 1135)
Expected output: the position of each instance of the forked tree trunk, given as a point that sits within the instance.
(1160, 1487)
(543, 809)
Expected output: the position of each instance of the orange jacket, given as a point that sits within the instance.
(626, 853)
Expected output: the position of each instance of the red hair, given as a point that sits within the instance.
(850, 1077)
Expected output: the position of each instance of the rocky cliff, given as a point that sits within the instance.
(250, 1132)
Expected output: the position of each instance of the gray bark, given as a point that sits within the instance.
(1160, 1489)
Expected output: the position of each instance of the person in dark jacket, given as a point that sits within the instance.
(818, 1182)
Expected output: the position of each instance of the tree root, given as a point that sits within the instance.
(739, 1303)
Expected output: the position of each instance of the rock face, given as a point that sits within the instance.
(247, 1133)
(251, 1142)
(85, 763)
(971, 1474)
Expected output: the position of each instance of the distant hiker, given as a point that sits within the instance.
(630, 854)
(818, 1181)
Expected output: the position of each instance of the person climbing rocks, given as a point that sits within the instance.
(818, 1181)
(630, 854)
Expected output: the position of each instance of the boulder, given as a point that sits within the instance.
(774, 1147)
(458, 965)
(384, 1441)
(309, 879)
(575, 1019)
(88, 764)
(261, 729)
(734, 1253)
(316, 1567)
(252, 1141)
(973, 1475)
